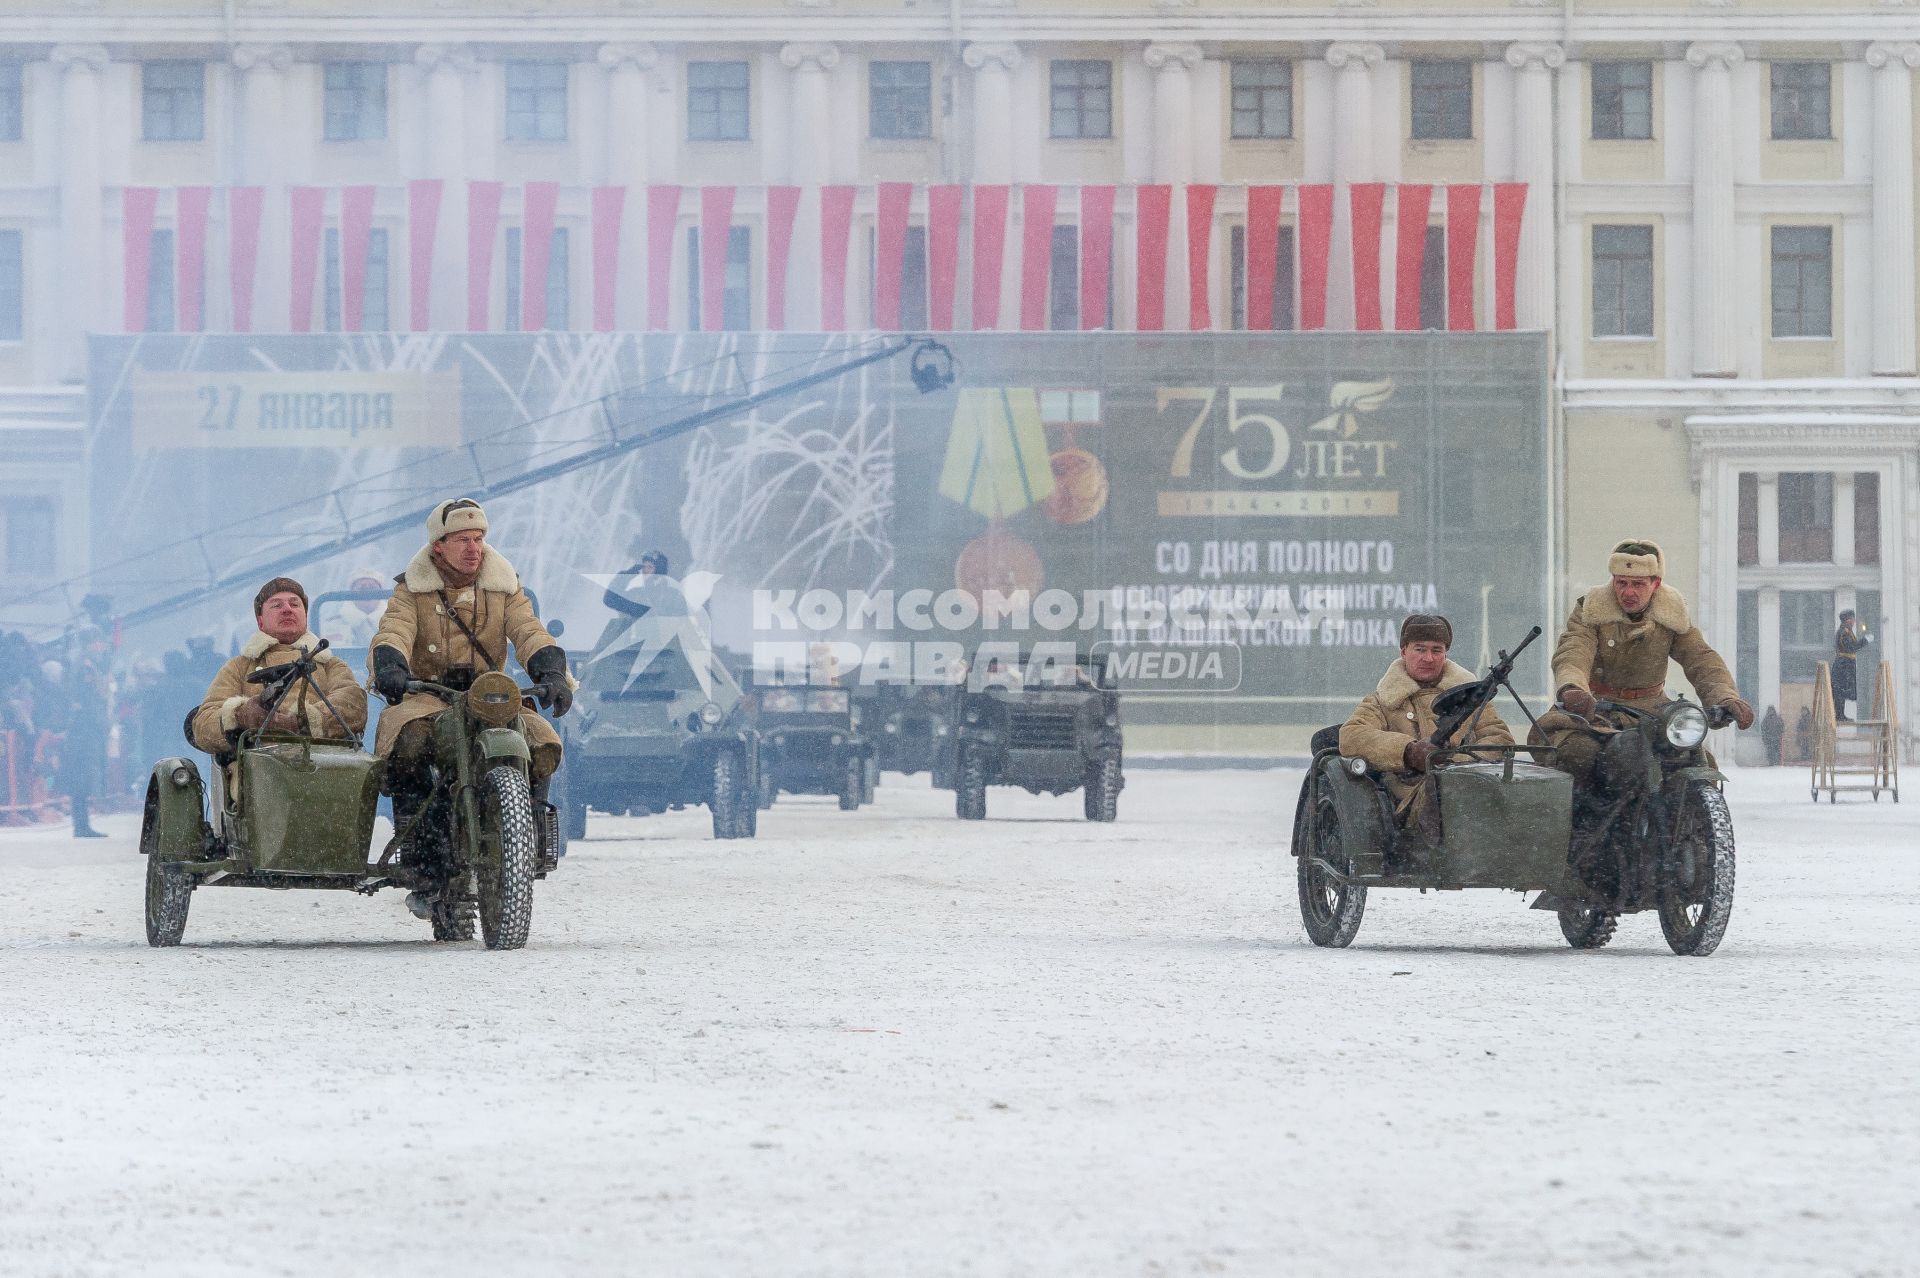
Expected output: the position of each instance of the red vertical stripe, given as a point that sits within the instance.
(892, 203)
(943, 254)
(308, 205)
(1410, 252)
(1096, 254)
(483, 217)
(836, 223)
(663, 212)
(356, 232)
(423, 234)
(609, 206)
(1463, 241)
(190, 254)
(782, 203)
(1316, 249)
(1509, 211)
(1263, 252)
(1153, 209)
(716, 226)
(136, 231)
(1369, 200)
(989, 253)
(244, 204)
(1200, 197)
(1037, 203)
(536, 251)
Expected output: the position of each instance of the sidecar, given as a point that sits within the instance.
(1505, 823)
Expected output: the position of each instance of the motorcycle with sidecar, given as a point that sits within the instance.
(285, 811)
(1651, 833)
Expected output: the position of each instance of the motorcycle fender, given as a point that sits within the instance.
(174, 824)
(1683, 776)
(504, 743)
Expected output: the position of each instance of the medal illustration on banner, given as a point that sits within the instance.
(997, 466)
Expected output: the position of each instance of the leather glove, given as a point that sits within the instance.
(390, 674)
(251, 714)
(1578, 701)
(1417, 755)
(548, 668)
(1742, 712)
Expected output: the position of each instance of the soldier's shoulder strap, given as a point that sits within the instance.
(446, 606)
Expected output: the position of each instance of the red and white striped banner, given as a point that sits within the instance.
(1463, 243)
(307, 206)
(783, 202)
(989, 253)
(1316, 253)
(892, 207)
(483, 220)
(190, 255)
(1415, 199)
(1037, 203)
(137, 206)
(1096, 254)
(1153, 214)
(1200, 198)
(1509, 212)
(423, 235)
(944, 205)
(356, 234)
(663, 219)
(540, 200)
(1264, 205)
(244, 206)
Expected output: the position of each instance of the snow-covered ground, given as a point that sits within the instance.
(892, 1043)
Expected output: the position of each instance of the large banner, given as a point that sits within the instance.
(1240, 519)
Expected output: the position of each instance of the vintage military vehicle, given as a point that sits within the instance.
(906, 723)
(810, 743)
(658, 724)
(294, 812)
(1654, 835)
(1049, 725)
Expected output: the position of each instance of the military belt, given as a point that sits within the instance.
(1612, 693)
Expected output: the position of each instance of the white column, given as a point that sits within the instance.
(1768, 685)
(447, 67)
(1716, 304)
(811, 165)
(82, 228)
(1767, 484)
(1534, 66)
(1843, 556)
(1353, 161)
(1173, 64)
(263, 70)
(1893, 254)
(993, 66)
(627, 126)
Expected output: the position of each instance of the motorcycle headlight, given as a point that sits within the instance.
(1686, 727)
(494, 697)
(710, 714)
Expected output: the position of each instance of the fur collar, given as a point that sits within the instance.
(1397, 687)
(423, 575)
(262, 642)
(1668, 609)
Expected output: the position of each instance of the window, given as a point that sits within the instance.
(32, 525)
(1866, 518)
(736, 302)
(1806, 632)
(173, 100)
(374, 317)
(12, 110)
(717, 102)
(1442, 98)
(559, 295)
(1746, 645)
(356, 102)
(900, 99)
(913, 279)
(1082, 99)
(1803, 281)
(1749, 525)
(160, 283)
(13, 287)
(1802, 101)
(1282, 278)
(1623, 281)
(1622, 101)
(536, 101)
(1806, 517)
(1433, 280)
(1262, 99)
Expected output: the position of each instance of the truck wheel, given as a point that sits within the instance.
(1102, 790)
(1697, 901)
(1587, 929)
(853, 784)
(869, 779)
(508, 850)
(1330, 910)
(169, 892)
(725, 801)
(970, 787)
(769, 791)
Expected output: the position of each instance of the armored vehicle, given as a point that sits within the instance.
(906, 722)
(1049, 726)
(810, 743)
(659, 725)
(1654, 835)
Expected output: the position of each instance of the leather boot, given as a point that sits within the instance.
(546, 825)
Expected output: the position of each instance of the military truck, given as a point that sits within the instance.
(810, 743)
(906, 723)
(1047, 725)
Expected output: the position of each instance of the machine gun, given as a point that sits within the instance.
(287, 676)
(1459, 706)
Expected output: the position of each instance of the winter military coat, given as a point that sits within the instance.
(418, 623)
(230, 690)
(1399, 710)
(1619, 659)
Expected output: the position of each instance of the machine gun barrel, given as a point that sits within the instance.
(1484, 692)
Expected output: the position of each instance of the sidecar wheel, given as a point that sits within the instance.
(1587, 929)
(169, 892)
(970, 787)
(1697, 899)
(509, 850)
(725, 799)
(1331, 911)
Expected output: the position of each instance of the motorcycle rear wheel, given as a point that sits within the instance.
(1587, 929)
(1697, 898)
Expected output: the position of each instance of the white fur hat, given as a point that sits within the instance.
(1637, 558)
(458, 514)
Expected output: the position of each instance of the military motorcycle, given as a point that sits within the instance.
(1654, 835)
(290, 811)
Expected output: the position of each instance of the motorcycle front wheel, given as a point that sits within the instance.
(508, 854)
(1696, 896)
